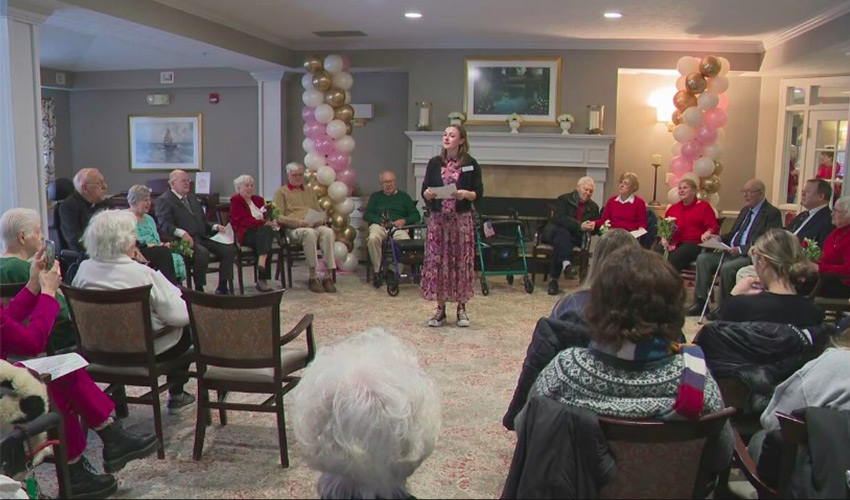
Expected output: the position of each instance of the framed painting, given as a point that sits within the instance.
(498, 87)
(166, 142)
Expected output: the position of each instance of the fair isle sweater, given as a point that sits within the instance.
(615, 387)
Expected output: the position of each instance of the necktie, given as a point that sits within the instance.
(739, 235)
(185, 201)
(798, 224)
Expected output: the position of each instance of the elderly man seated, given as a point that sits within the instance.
(387, 208)
(565, 229)
(756, 218)
(366, 415)
(294, 202)
(76, 210)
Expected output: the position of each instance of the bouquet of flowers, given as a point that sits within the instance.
(272, 212)
(666, 229)
(457, 116)
(811, 249)
(182, 247)
(604, 228)
(514, 117)
(566, 117)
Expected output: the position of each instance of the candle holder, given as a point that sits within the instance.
(655, 202)
(424, 115)
(595, 115)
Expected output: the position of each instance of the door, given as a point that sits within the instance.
(826, 148)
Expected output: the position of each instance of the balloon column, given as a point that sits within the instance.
(328, 144)
(699, 117)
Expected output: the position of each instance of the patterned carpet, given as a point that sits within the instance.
(475, 368)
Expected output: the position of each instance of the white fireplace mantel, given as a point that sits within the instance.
(578, 151)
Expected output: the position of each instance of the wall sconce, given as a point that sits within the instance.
(662, 101)
(362, 112)
(158, 99)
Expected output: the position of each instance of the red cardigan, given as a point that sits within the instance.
(240, 215)
(29, 340)
(835, 256)
(692, 221)
(628, 216)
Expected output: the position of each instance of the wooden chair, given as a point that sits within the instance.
(794, 436)
(9, 290)
(245, 255)
(118, 340)
(658, 459)
(240, 348)
(291, 250)
(51, 423)
(834, 306)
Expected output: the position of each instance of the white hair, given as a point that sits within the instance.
(844, 203)
(14, 222)
(291, 166)
(110, 234)
(366, 415)
(81, 177)
(137, 193)
(173, 175)
(241, 181)
(586, 180)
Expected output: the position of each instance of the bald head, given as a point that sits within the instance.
(388, 182)
(585, 187)
(91, 185)
(753, 192)
(179, 182)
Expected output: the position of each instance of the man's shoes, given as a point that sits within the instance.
(712, 315)
(263, 286)
(570, 273)
(438, 318)
(315, 285)
(87, 483)
(199, 288)
(328, 285)
(462, 317)
(377, 279)
(222, 291)
(180, 403)
(120, 446)
(553, 287)
(696, 308)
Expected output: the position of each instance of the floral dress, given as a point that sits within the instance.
(449, 270)
(147, 234)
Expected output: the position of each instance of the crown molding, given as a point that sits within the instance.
(806, 26)
(28, 12)
(228, 22)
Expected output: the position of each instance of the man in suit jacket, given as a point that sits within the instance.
(179, 212)
(76, 210)
(756, 218)
(564, 231)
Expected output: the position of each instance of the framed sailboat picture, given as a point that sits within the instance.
(166, 142)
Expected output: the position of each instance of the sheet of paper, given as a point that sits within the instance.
(314, 216)
(56, 366)
(202, 182)
(444, 192)
(715, 244)
(225, 238)
(637, 233)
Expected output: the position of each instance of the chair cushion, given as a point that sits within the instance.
(291, 360)
(136, 371)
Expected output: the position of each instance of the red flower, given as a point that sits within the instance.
(805, 244)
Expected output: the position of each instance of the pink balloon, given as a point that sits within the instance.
(324, 144)
(347, 176)
(680, 165)
(308, 113)
(723, 102)
(313, 129)
(705, 134)
(339, 161)
(692, 150)
(715, 118)
(674, 181)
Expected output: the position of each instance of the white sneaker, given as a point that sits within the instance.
(438, 319)
(462, 317)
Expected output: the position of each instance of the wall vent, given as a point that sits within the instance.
(338, 33)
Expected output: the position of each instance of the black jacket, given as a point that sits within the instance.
(817, 229)
(564, 215)
(769, 217)
(470, 180)
(760, 354)
(172, 214)
(561, 452)
(74, 216)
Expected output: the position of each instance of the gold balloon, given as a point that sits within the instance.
(709, 66)
(313, 63)
(703, 195)
(347, 242)
(321, 80)
(677, 117)
(335, 98)
(711, 184)
(695, 83)
(348, 128)
(339, 221)
(346, 112)
(684, 100)
(349, 233)
(320, 189)
(718, 167)
(325, 203)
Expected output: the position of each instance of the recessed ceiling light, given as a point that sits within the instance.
(413, 15)
(613, 15)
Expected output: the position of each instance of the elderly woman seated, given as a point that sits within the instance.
(835, 258)
(253, 226)
(147, 237)
(110, 240)
(366, 415)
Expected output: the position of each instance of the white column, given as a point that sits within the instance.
(270, 131)
(21, 162)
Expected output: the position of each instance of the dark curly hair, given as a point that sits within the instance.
(638, 295)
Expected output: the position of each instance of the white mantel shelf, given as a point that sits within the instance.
(579, 151)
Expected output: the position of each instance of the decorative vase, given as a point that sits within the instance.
(514, 124)
(565, 127)
(456, 121)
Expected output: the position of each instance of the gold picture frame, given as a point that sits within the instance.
(166, 142)
(496, 87)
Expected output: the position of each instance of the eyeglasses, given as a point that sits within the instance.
(97, 183)
(751, 191)
(388, 182)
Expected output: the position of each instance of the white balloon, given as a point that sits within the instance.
(714, 199)
(343, 80)
(308, 145)
(707, 100)
(718, 84)
(324, 113)
(344, 207)
(703, 166)
(688, 65)
(340, 252)
(724, 68)
(314, 160)
(350, 263)
(336, 129)
(307, 81)
(691, 175)
(676, 149)
(333, 64)
(347, 97)
(713, 151)
(684, 133)
(312, 98)
(344, 144)
(673, 195)
(680, 83)
(338, 191)
(692, 116)
(326, 175)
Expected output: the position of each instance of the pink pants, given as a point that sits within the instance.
(76, 396)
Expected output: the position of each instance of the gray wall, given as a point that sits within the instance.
(62, 148)
(381, 143)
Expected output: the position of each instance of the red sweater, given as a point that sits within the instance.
(836, 252)
(240, 215)
(628, 216)
(692, 221)
(29, 340)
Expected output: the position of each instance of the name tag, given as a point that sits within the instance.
(468, 168)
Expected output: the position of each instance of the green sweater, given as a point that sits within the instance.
(397, 206)
(15, 270)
